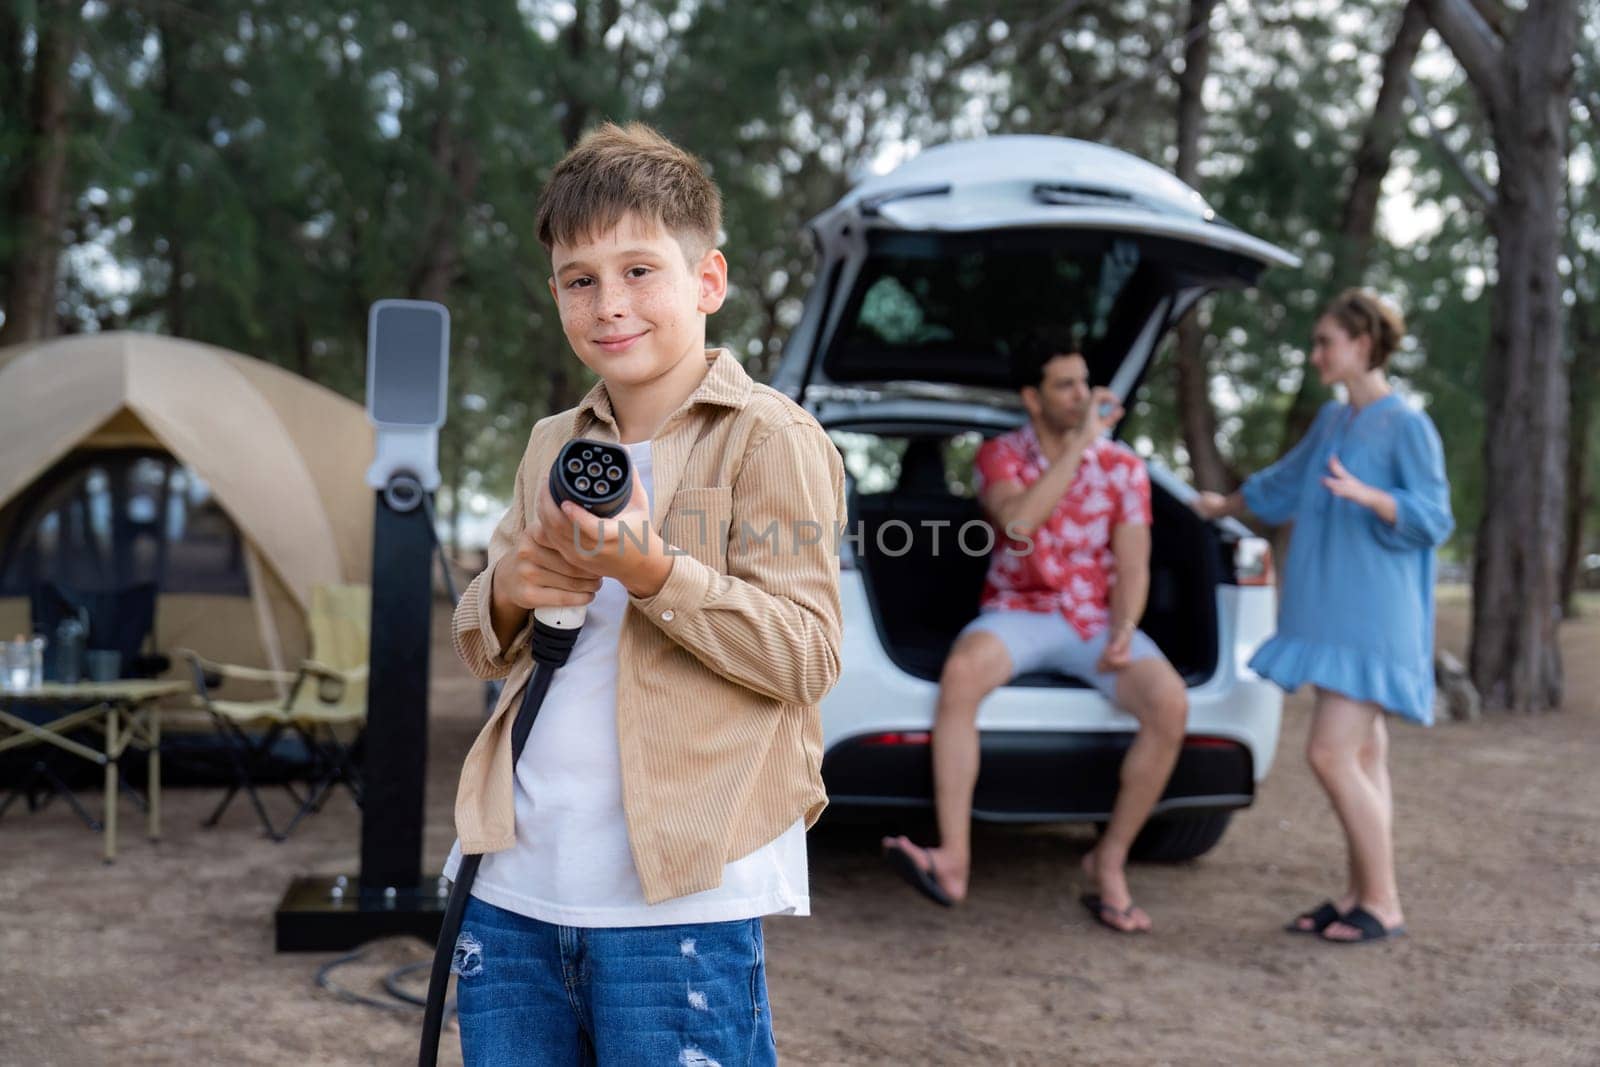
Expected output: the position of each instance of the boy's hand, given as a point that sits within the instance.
(533, 575)
(607, 548)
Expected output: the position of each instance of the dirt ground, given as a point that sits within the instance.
(167, 957)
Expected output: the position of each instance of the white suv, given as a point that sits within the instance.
(929, 279)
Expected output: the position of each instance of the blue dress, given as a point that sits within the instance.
(1357, 611)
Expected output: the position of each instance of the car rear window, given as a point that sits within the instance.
(955, 308)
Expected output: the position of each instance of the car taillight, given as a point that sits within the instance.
(1210, 742)
(1252, 561)
(911, 737)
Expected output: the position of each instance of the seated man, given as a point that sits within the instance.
(1065, 590)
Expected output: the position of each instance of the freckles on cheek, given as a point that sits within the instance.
(572, 312)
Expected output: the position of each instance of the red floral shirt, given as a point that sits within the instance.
(1069, 567)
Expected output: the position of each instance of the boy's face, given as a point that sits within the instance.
(632, 305)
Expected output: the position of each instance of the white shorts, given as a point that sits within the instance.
(1044, 641)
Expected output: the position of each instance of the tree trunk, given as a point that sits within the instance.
(563, 382)
(1515, 660)
(14, 76)
(14, 90)
(457, 170)
(177, 302)
(1525, 85)
(1195, 413)
(302, 349)
(1358, 220)
(175, 46)
(38, 199)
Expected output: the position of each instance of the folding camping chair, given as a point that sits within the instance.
(325, 707)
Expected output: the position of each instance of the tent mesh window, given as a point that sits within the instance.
(104, 520)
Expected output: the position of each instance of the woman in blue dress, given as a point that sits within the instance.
(1367, 494)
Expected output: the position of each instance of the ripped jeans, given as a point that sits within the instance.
(530, 992)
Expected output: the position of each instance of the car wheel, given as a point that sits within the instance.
(1175, 838)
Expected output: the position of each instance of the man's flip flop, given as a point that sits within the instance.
(1371, 927)
(1321, 917)
(919, 878)
(1100, 909)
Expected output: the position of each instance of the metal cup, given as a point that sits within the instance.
(105, 664)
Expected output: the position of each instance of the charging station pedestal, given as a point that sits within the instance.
(408, 354)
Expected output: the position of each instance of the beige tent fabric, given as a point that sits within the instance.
(285, 458)
(48, 405)
(261, 599)
(336, 439)
(202, 409)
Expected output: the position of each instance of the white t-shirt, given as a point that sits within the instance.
(572, 864)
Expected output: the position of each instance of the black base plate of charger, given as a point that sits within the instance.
(313, 917)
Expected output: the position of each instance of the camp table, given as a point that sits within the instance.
(125, 711)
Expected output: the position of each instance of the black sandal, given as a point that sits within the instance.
(1321, 917)
(1371, 927)
(1103, 911)
(919, 878)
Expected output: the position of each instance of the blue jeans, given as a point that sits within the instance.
(530, 992)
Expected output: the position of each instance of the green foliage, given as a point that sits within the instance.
(254, 173)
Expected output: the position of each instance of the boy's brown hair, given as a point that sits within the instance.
(615, 169)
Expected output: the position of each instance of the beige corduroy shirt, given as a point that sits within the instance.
(720, 672)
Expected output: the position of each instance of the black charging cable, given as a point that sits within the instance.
(598, 477)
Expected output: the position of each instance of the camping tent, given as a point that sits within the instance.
(234, 484)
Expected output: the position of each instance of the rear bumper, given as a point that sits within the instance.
(1035, 776)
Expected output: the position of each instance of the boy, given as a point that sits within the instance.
(660, 806)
